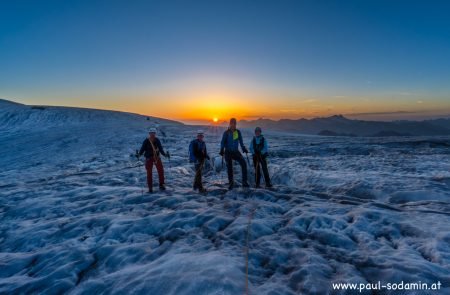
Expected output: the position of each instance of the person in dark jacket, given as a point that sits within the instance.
(229, 147)
(198, 155)
(259, 148)
(152, 148)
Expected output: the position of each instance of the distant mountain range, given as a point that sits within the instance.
(339, 125)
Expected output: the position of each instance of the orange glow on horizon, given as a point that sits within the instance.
(216, 107)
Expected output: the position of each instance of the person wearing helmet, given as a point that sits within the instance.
(229, 147)
(152, 148)
(198, 155)
(259, 149)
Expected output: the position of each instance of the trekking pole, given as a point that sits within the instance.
(257, 170)
(248, 161)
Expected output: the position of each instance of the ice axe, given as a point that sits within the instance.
(248, 161)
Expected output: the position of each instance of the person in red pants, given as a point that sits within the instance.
(152, 149)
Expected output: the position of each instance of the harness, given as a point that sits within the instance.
(155, 150)
(258, 147)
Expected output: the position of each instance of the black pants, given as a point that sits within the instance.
(237, 156)
(260, 162)
(198, 175)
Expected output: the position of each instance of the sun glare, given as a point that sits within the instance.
(215, 120)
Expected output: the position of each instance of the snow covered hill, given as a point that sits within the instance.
(18, 116)
(74, 218)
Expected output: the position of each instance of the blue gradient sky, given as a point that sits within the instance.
(193, 60)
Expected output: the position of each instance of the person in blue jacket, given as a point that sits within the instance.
(259, 148)
(229, 147)
(198, 155)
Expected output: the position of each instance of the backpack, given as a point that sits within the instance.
(192, 158)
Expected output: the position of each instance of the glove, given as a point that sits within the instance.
(207, 157)
(222, 152)
(168, 155)
(245, 150)
(137, 154)
(265, 155)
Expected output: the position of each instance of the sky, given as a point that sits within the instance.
(198, 60)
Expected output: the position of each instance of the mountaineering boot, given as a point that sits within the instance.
(162, 187)
(269, 185)
(202, 190)
(245, 184)
(230, 186)
(150, 191)
(257, 186)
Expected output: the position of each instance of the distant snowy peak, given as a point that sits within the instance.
(17, 116)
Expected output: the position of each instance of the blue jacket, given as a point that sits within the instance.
(258, 148)
(197, 151)
(231, 144)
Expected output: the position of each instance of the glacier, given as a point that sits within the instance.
(75, 217)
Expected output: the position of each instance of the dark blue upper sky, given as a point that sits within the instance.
(295, 58)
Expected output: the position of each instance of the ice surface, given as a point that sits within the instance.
(74, 219)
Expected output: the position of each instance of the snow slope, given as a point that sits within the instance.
(15, 116)
(74, 219)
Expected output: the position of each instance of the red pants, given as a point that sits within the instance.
(149, 167)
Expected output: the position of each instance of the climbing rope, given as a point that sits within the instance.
(247, 244)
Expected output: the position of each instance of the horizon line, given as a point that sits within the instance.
(253, 118)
